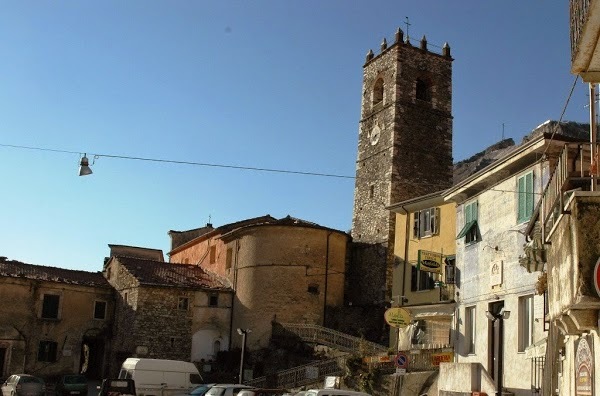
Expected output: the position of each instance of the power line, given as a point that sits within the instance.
(206, 164)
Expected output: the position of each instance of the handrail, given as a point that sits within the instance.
(333, 338)
(303, 375)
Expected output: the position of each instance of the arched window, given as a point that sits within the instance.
(216, 347)
(378, 91)
(423, 90)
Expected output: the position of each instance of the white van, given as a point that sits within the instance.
(333, 392)
(160, 377)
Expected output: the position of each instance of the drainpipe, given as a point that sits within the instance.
(326, 278)
(406, 239)
(593, 154)
(235, 269)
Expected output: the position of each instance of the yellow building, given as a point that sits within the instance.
(424, 273)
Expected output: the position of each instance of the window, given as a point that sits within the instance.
(47, 351)
(126, 298)
(213, 299)
(100, 310)
(423, 90)
(426, 222)
(525, 322)
(371, 191)
(50, 306)
(213, 254)
(470, 330)
(216, 347)
(419, 333)
(422, 280)
(525, 197)
(183, 303)
(228, 258)
(470, 231)
(378, 92)
(450, 269)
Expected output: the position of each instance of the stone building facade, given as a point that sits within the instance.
(167, 311)
(404, 151)
(53, 320)
(284, 270)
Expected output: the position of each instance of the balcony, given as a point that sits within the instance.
(585, 29)
(569, 215)
(574, 171)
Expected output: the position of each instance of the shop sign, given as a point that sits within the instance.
(430, 261)
(397, 317)
(443, 357)
(584, 367)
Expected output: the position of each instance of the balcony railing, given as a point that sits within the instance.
(579, 13)
(574, 170)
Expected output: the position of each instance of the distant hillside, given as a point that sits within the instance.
(568, 129)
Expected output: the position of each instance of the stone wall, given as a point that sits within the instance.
(284, 273)
(22, 328)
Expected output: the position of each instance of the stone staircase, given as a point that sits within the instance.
(315, 372)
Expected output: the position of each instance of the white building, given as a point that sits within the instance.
(500, 317)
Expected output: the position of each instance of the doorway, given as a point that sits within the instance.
(2, 362)
(495, 341)
(92, 357)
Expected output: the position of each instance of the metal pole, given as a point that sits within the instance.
(242, 357)
(593, 159)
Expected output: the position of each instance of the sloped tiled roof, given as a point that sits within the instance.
(17, 269)
(177, 239)
(285, 221)
(157, 273)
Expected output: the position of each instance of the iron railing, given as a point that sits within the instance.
(578, 15)
(307, 374)
(575, 169)
(335, 339)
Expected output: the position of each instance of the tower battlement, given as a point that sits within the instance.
(400, 40)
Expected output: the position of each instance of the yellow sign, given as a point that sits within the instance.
(430, 261)
(444, 357)
(397, 317)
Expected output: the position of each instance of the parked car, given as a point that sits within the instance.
(263, 392)
(71, 384)
(117, 387)
(227, 389)
(23, 385)
(197, 391)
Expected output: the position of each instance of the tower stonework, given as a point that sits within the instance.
(404, 151)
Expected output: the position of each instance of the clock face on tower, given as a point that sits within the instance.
(374, 135)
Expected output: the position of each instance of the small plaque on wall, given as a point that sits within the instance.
(496, 273)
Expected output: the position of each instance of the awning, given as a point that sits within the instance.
(432, 311)
(537, 349)
(466, 228)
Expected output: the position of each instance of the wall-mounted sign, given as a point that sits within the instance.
(397, 317)
(430, 261)
(443, 357)
(597, 277)
(496, 273)
(584, 367)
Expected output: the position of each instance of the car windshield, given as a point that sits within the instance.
(31, 380)
(200, 391)
(215, 391)
(75, 379)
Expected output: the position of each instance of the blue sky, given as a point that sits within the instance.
(269, 84)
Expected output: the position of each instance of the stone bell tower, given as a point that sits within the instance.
(404, 151)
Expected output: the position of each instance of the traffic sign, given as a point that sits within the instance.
(401, 360)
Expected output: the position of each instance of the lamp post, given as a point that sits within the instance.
(243, 333)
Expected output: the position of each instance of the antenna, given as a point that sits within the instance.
(407, 23)
(502, 131)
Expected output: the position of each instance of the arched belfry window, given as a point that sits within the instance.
(423, 90)
(378, 91)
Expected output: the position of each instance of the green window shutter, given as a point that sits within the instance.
(467, 213)
(521, 199)
(529, 199)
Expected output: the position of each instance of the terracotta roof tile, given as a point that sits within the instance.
(156, 273)
(17, 269)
